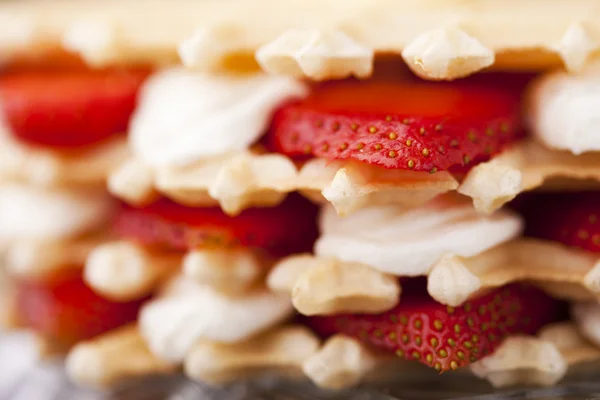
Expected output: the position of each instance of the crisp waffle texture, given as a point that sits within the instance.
(452, 37)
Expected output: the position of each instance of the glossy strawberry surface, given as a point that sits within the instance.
(71, 108)
(420, 126)
(443, 337)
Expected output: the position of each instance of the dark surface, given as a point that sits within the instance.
(50, 383)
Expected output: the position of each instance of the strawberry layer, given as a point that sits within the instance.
(401, 125)
(66, 310)
(287, 228)
(571, 218)
(445, 337)
(68, 109)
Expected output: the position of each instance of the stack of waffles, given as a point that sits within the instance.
(319, 188)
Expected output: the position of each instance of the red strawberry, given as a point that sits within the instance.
(445, 337)
(287, 228)
(66, 310)
(420, 126)
(570, 218)
(69, 108)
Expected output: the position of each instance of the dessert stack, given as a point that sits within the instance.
(62, 132)
(349, 185)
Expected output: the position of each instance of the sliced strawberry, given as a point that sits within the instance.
(66, 310)
(420, 126)
(570, 218)
(287, 228)
(445, 337)
(69, 108)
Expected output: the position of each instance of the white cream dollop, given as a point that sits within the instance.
(408, 242)
(185, 116)
(27, 212)
(189, 311)
(563, 112)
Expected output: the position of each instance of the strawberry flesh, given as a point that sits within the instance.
(570, 218)
(420, 126)
(287, 228)
(66, 310)
(66, 109)
(442, 337)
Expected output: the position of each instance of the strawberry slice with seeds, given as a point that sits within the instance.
(64, 109)
(570, 218)
(444, 337)
(287, 228)
(420, 126)
(66, 310)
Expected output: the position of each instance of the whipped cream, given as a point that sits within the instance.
(31, 213)
(564, 114)
(185, 116)
(189, 311)
(408, 242)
